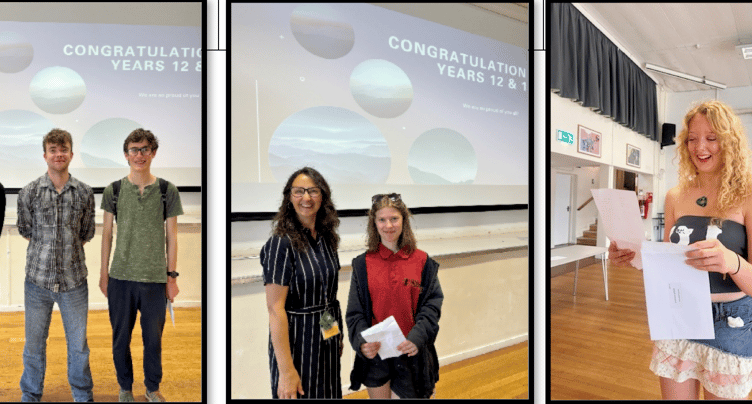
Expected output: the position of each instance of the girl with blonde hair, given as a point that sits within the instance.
(711, 208)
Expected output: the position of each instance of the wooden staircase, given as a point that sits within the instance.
(589, 237)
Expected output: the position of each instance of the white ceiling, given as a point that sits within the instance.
(694, 38)
(515, 11)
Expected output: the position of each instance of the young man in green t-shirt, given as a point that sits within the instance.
(140, 277)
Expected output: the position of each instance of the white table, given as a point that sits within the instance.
(565, 255)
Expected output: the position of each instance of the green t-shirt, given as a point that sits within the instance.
(140, 247)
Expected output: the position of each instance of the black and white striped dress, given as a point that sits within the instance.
(307, 274)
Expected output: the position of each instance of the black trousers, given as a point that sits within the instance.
(125, 299)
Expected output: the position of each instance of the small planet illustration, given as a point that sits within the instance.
(102, 144)
(442, 156)
(16, 53)
(57, 90)
(322, 31)
(342, 145)
(381, 88)
(21, 134)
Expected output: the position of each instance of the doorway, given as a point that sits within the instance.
(562, 210)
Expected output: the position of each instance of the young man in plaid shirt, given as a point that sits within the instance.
(56, 215)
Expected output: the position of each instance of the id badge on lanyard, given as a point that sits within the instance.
(328, 324)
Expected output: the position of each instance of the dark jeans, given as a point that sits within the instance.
(125, 298)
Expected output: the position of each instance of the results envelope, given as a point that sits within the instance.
(389, 334)
(677, 295)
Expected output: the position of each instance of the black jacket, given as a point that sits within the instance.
(425, 365)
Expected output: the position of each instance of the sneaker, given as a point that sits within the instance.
(154, 397)
(125, 396)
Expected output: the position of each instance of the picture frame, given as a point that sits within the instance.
(588, 141)
(634, 155)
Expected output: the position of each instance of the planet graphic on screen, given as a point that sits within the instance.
(102, 144)
(57, 90)
(22, 133)
(322, 31)
(16, 53)
(442, 156)
(342, 145)
(381, 88)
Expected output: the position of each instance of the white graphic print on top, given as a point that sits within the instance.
(713, 232)
(684, 232)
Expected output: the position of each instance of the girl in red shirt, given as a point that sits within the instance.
(394, 278)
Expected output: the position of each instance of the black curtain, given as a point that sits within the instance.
(588, 68)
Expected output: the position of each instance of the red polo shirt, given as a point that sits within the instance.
(394, 284)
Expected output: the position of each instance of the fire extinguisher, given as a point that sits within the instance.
(645, 204)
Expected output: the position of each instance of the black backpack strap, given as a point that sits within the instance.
(163, 189)
(115, 195)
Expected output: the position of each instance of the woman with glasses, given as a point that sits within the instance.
(301, 270)
(394, 278)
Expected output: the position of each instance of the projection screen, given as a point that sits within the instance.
(378, 101)
(100, 70)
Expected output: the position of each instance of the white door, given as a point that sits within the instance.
(562, 209)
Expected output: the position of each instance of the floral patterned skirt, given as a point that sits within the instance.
(723, 365)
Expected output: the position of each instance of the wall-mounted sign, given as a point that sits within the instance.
(565, 137)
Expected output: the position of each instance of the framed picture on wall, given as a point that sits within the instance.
(588, 141)
(633, 156)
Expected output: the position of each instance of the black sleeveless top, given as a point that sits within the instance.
(733, 235)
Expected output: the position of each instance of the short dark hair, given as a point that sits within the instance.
(57, 136)
(140, 135)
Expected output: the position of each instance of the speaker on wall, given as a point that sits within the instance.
(667, 135)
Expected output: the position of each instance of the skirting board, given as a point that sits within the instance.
(446, 360)
(97, 306)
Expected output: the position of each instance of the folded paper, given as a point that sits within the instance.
(388, 334)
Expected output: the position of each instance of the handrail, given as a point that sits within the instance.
(586, 202)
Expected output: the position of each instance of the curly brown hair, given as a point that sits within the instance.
(57, 136)
(406, 239)
(286, 222)
(736, 178)
(139, 135)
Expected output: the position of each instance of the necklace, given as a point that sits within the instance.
(703, 201)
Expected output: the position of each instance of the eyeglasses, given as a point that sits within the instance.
(392, 197)
(133, 151)
(313, 192)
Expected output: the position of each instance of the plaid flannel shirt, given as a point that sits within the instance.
(57, 225)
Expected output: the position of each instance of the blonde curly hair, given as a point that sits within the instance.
(736, 178)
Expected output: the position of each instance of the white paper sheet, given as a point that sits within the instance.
(677, 295)
(172, 313)
(389, 334)
(622, 222)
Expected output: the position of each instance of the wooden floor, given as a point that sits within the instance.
(498, 374)
(600, 350)
(181, 358)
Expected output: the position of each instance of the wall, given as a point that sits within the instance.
(566, 115)
(12, 268)
(485, 296)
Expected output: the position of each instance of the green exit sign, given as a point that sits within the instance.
(565, 137)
